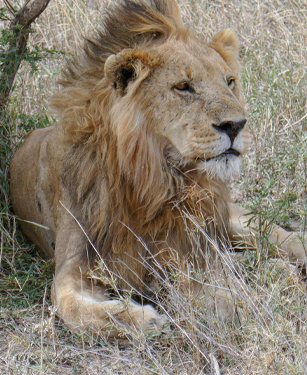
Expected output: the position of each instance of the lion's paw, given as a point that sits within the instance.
(130, 314)
(147, 318)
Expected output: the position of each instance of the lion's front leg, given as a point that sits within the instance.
(85, 306)
(291, 243)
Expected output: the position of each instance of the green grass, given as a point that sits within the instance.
(23, 275)
(272, 336)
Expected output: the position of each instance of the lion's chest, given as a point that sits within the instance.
(140, 255)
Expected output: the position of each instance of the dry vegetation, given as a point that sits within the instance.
(269, 334)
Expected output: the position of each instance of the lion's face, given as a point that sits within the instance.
(189, 97)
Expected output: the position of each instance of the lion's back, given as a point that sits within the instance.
(30, 200)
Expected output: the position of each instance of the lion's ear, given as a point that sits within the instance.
(226, 43)
(127, 66)
(172, 11)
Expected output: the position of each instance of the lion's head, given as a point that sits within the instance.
(188, 95)
(161, 82)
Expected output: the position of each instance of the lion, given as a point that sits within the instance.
(151, 126)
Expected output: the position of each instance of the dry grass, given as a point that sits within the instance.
(269, 333)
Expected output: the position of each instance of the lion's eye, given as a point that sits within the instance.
(231, 83)
(184, 87)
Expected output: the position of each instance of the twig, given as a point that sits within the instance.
(10, 7)
(215, 365)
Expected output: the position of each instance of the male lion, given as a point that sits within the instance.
(151, 125)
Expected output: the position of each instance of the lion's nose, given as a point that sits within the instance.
(232, 128)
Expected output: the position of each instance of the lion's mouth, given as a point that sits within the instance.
(228, 152)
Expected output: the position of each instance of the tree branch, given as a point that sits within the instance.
(20, 26)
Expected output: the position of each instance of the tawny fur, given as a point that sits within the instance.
(151, 123)
(145, 197)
